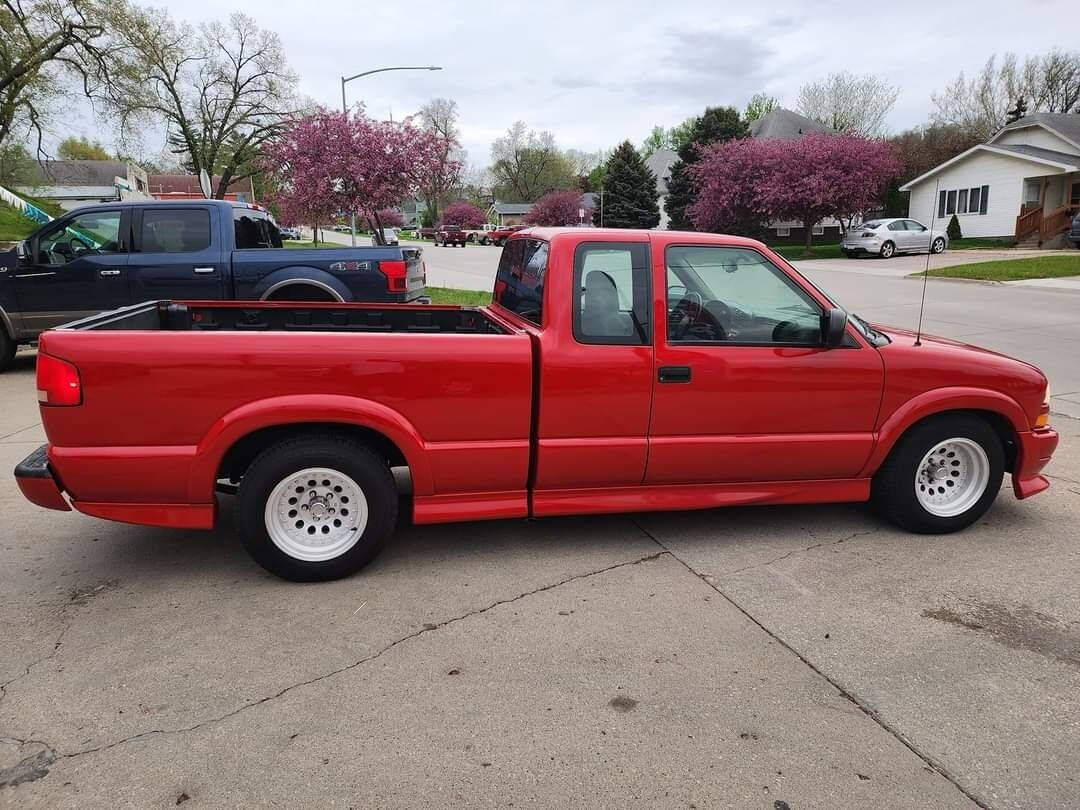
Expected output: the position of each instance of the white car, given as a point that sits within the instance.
(389, 236)
(887, 237)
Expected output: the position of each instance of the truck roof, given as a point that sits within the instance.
(637, 235)
(132, 203)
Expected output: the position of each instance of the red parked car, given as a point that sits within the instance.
(447, 235)
(615, 371)
(499, 236)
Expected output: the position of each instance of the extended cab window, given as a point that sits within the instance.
(519, 283)
(92, 233)
(736, 296)
(611, 293)
(175, 230)
(254, 229)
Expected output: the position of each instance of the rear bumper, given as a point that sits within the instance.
(1032, 454)
(37, 483)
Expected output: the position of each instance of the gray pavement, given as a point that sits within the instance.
(794, 657)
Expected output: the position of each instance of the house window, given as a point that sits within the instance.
(780, 231)
(973, 200)
(818, 230)
(950, 205)
(1074, 198)
(962, 201)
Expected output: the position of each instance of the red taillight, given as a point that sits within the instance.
(57, 381)
(395, 275)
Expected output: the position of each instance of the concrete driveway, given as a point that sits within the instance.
(906, 264)
(774, 658)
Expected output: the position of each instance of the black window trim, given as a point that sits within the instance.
(137, 225)
(849, 341)
(124, 235)
(643, 334)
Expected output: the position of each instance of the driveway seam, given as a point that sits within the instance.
(795, 551)
(427, 628)
(928, 760)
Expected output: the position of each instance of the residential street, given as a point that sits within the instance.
(776, 657)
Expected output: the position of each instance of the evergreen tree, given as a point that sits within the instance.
(953, 231)
(1017, 112)
(714, 125)
(629, 191)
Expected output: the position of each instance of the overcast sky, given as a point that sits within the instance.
(595, 73)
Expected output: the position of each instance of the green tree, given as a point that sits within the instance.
(658, 138)
(526, 165)
(629, 191)
(715, 125)
(953, 231)
(72, 148)
(16, 165)
(759, 106)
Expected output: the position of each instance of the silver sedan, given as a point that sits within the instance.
(887, 237)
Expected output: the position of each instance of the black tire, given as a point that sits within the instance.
(893, 493)
(938, 245)
(483, 240)
(7, 349)
(279, 462)
(888, 250)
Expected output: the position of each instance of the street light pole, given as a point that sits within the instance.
(345, 109)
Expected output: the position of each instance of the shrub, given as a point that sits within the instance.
(953, 231)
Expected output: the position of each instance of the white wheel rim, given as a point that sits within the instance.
(316, 514)
(887, 251)
(939, 245)
(952, 477)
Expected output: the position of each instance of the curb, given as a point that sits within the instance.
(985, 281)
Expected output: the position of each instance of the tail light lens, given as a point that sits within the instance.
(57, 381)
(394, 271)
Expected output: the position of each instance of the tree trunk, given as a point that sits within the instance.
(808, 227)
(377, 228)
(315, 234)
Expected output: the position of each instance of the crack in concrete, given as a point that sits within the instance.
(795, 551)
(854, 699)
(57, 643)
(20, 430)
(427, 628)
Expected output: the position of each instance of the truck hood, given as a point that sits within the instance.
(906, 337)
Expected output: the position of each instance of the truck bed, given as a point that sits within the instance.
(269, 316)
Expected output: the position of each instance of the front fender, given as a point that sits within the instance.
(312, 276)
(306, 409)
(940, 400)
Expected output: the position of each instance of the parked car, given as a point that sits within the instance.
(342, 228)
(106, 256)
(426, 233)
(615, 371)
(501, 233)
(292, 234)
(887, 237)
(390, 237)
(450, 235)
(1074, 233)
(480, 234)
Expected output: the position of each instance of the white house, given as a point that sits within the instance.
(1022, 183)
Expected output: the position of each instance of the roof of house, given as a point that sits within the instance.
(659, 163)
(1038, 152)
(1064, 124)
(785, 124)
(189, 184)
(79, 172)
(511, 208)
(1046, 157)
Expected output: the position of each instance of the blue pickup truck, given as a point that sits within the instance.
(101, 257)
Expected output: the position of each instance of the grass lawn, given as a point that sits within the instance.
(1014, 269)
(14, 226)
(461, 298)
(308, 245)
(981, 244)
(791, 252)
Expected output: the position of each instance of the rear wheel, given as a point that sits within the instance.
(316, 508)
(942, 475)
(483, 240)
(887, 250)
(7, 349)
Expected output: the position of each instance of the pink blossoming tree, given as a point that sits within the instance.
(558, 208)
(328, 163)
(464, 214)
(742, 184)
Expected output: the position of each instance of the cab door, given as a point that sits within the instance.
(595, 365)
(176, 255)
(744, 388)
(73, 269)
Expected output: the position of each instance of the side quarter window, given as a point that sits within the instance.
(611, 293)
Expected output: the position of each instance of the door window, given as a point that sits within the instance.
(898, 225)
(611, 293)
(519, 282)
(736, 296)
(90, 234)
(912, 225)
(254, 229)
(175, 230)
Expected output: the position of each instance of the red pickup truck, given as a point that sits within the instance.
(615, 370)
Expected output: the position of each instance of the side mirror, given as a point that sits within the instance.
(834, 327)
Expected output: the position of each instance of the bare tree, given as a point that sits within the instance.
(43, 42)
(222, 89)
(1052, 82)
(439, 117)
(525, 165)
(849, 103)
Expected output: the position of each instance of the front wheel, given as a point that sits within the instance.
(887, 250)
(7, 349)
(483, 240)
(938, 246)
(316, 508)
(942, 475)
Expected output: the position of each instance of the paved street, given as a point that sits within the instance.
(772, 657)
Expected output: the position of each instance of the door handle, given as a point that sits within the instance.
(674, 374)
(202, 271)
(109, 273)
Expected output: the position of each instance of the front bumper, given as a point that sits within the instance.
(1032, 454)
(37, 483)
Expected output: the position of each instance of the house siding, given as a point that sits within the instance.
(1034, 136)
(1005, 177)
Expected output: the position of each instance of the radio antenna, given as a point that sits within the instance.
(929, 251)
